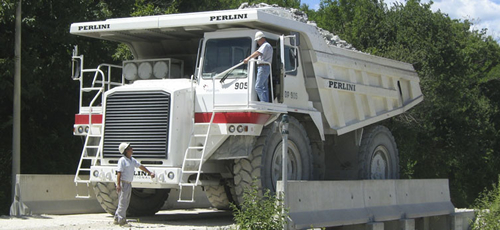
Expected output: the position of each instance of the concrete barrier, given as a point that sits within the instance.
(370, 203)
(55, 194)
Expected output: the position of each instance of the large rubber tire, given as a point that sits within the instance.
(143, 202)
(220, 196)
(264, 163)
(146, 202)
(106, 196)
(378, 155)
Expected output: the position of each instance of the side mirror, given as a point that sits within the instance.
(76, 64)
(75, 68)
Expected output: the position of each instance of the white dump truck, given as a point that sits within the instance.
(188, 106)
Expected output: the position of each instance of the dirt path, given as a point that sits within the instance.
(205, 219)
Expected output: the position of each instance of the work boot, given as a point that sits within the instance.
(115, 221)
(124, 223)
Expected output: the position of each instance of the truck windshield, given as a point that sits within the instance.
(222, 54)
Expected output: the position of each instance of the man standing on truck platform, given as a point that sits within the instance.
(263, 54)
(124, 178)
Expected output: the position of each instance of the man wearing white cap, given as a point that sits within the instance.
(125, 175)
(263, 54)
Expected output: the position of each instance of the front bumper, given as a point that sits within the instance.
(165, 177)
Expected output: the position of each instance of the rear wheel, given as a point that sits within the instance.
(378, 155)
(264, 164)
(143, 202)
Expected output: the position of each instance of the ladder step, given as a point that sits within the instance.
(189, 171)
(92, 146)
(88, 158)
(187, 184)
(193, 159)
(195, 147)
(82, 197)
(94, 135)
(82, 181)
(200, 135)
(185, 201)
(85, 170)
(88, 89)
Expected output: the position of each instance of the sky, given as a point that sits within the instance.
(484, 13)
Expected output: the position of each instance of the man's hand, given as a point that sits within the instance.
(246, 60)
(152, 175)
(118, 188)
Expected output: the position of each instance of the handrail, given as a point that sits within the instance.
(100, 77)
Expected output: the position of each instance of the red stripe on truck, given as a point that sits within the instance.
(233, 117)
(83, 119)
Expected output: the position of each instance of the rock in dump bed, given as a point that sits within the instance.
(298, 15)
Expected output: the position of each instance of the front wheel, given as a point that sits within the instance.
(143, 202)
(220, 196)
(264, 164)
(378, 155)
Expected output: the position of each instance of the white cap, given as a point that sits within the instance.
(259, 35)
(123, 146)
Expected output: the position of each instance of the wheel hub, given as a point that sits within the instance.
(380, 163)
(294, 164)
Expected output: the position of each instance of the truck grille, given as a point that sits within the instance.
(140, 118)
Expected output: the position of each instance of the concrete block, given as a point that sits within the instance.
(342, 203)
(375, 226)
(55, 194)
(407, 224)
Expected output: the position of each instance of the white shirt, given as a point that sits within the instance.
(126, 167)
(266, 52)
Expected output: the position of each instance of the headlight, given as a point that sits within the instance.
(160, 69)
(130, 71)
(86, 129)
(80, 129)
(95, 173)
(145, 70)
(171, 175)
(231, 128)
(240, 128)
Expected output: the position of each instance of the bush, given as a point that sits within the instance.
(259, 212)
(488, 209)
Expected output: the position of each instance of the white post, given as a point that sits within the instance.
(16, 127)
(284, 162)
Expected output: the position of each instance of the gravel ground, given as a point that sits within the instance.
(205, 219)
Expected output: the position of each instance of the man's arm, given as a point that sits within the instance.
(254, 55)
(118, 180)
(146, 170)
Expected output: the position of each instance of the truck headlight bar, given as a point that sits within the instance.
(153, 68)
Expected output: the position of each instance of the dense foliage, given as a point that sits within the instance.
(259, 212)
(452, 134)
(488, 210)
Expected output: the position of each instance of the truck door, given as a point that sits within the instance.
(292, 81)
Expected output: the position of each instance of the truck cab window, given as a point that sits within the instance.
(222, 54)
(291, 60)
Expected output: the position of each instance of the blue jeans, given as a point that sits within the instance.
(261, 87)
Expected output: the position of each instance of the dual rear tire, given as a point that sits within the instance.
(378, 155)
